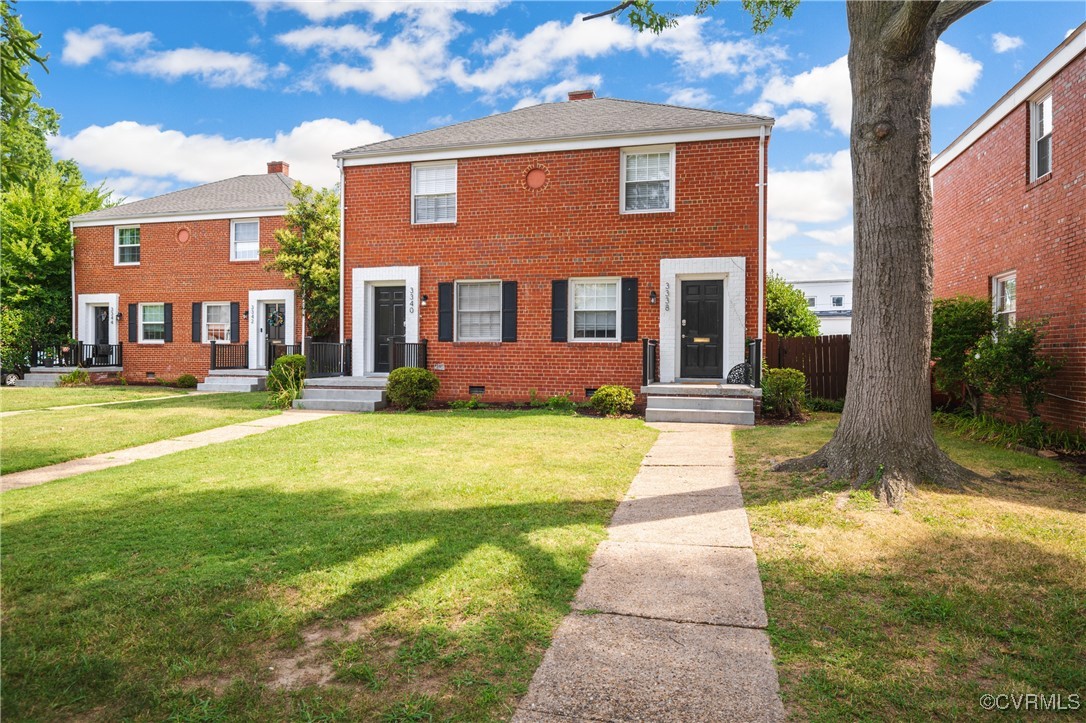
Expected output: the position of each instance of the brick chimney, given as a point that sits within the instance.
(279, 167)
(582, 94)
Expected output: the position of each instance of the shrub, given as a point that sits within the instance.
(786, 310)
(1032, 433)
(473, 403)
(411, 387)
(613, 399)
(782, 392)
(186, 381)
(286, 379)
(957, 326)
(561, 403)
(1008, 362)
(75, 378)
(818, 404)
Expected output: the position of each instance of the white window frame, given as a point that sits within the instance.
(811, 301)
(456, 190)
(997, 282)
(456, 309)
(572, 310)
(833, 302)
(1035, 116)
(234, 238)
(641, 150)
(117, 246)
(152, 341)
(203, 319)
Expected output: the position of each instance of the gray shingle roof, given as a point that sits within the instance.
(596, 117)
(267, 191)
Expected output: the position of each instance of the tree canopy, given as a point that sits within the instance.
(786, 310)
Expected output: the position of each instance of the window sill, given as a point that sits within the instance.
(1039, 181)
(244, 261)
(480, 342)
(424, 224)
(595, 341)
(623, 212)
(126, 263)
(151, 342)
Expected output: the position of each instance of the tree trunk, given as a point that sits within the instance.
(885, 439)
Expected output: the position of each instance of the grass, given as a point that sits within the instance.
(51, 436)
(364, 567)
(20, 398)
(914, 614)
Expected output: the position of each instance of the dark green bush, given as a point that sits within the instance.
(561, 403)
(1009, 363)
(958, 325)
(613, 399)
(286, 379)
(411, 387)
(186, 381)
(473, 403)
(1032, 433)
(818, 404)
(783, 392)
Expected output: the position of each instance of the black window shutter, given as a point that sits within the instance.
(197, 322)
(445, 312)
(559, 310)
(167, 314)
(509, 311)
(133, 323)
(629, 310)
(235, 322)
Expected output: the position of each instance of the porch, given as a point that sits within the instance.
(49, 362)
(727, 401)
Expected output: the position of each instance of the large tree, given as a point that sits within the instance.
(885, 437)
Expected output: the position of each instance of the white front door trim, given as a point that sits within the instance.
(732, 270)
(256, 326)
(85, 325)
(363, 282)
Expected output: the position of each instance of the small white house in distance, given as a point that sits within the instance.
(831, 301)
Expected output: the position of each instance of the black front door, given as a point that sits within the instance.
(276, 321)
(702, 330)
(101, 325)
(388, 324)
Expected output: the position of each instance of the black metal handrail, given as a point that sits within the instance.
(277, 349)
(407, 354)
(650, 370)
(76, 354)
(229, 356)
(327, 359)
(754, 359)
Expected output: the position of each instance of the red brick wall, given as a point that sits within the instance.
(989, 218)
(570, 228)
(171, 272)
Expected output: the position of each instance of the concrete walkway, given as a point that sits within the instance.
(31, 477)
(669, 624)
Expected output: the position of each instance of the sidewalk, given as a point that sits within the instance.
(669, 624)
(31, 477)
(136, 400)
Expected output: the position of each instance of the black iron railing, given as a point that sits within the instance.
(277, 349)
(327, 359)
(407, 354)
(229, 356)
(76, 354)
(650, 370)
(750, 371)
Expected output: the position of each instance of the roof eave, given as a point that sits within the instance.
(86, 219)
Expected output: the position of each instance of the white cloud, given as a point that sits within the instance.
(560, 90)
(822, 265)
(699, 57)
(956, 73)
(834, 237)
(321, 10)
(797, 119)
(327, 40)
(777, 230)
(145, 153)
(1003, 43)
(217, 68)
(82, 47)
(691, 97)
(135, 188)
(819, 195)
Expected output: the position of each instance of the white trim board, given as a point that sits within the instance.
(179, 218)
(255, 333)
(85, 324)
(363, 281)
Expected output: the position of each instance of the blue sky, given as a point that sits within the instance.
(156, 96)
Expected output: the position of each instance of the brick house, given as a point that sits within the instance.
(1010, 216)
(535, 250)
(156, 281)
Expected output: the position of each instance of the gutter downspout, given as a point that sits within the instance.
(761, 232)
(75, 306)
(342, 272)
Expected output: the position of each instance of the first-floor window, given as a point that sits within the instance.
(810, 301)
(595, 308)
(152, 322)
(1004, 299)
(479, 311)
(838, 300)
(245, 240)
(217, 323)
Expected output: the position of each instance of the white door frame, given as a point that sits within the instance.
(257, 335)
(363, 283)
(85, 325)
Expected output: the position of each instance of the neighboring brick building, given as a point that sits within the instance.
(164, 276)
(534, 250)
(1010, 216)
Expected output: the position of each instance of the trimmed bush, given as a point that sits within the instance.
(411, 387)
(286, 380)
(783, 392)
(75, 378)
(186, 381)
(818, 404)
(612, 400)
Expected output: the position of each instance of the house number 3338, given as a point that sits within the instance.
(667, 296)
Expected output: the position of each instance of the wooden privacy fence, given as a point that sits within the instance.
(823, 359)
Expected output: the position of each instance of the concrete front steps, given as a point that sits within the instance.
(706, 403)
(234, 380)
(343, 394)
(50, 376)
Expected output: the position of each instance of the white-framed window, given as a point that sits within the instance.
(837, 300)
(1040, 112)
(152, 323)
(1004, 298)
(594, 307)
(647, 179)
(433, 192)
(810, 301)
(478, 311)
(126, 245)
(245, 240)
(217, 322)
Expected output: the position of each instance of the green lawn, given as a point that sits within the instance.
(47, 437)
(914, 614)
(19, 398)
(363, 567)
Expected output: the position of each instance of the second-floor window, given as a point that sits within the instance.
(1005, 298)
(837, 300)
(810, 301)
(244, 240)
(433, 192)
(1041, 136)
(127, 245)
(647, 175)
